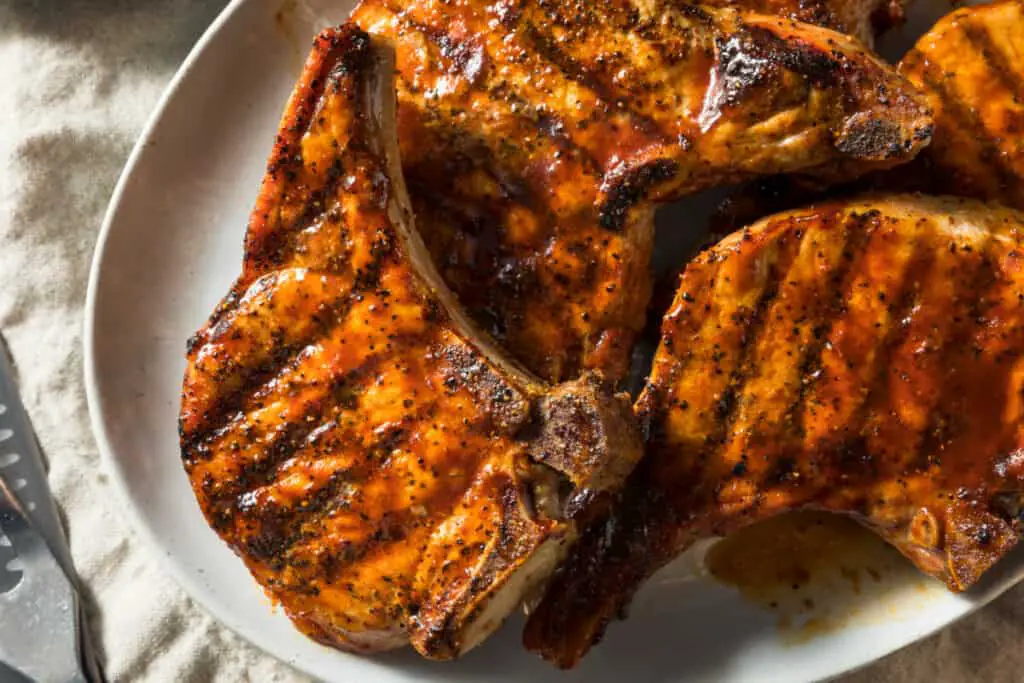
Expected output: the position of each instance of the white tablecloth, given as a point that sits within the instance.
(78, 79)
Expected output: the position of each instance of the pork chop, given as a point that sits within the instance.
(971, 65)
(860, 357)
(538, 135)
(386, 474)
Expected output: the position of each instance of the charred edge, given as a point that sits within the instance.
(941, 426)
(442, 638)
(224, 307)
(819, 13)
(224, 409)
(593, 585)
(576, 71)
(344, 52)
(875, 138)
(858, 229)
(965, 120)
(505, 404)
(695, 12)
(631, 188)
(821, 69)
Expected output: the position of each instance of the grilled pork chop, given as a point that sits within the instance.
(971, 65)
(384, 472)
(862, 358)
(537, 135)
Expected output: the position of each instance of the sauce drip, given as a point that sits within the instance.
(817, 571)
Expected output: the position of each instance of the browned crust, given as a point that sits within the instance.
(372, 458)
(969, 65)
(537, 138)
(860, 357)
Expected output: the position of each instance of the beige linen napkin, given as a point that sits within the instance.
(77, 81)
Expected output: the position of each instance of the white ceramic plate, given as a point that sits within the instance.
(170, 247)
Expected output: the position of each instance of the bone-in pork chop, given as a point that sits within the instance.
(537, 135)
(384, 472)
(863, 358)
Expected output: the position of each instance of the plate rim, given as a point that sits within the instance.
(129, 514)
(132, 517)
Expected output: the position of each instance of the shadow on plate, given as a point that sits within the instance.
(667, 623)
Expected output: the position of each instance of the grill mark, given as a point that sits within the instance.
(254, 380)
(351, 379)
(735, 463)
(844, 274)
(983, 279)
(277, 245)
(967, 121)
(784, 461)
(259, 383)
(853, 449)
(679, 496)
(920, 268)
(466, 152)
(341, 384)
(302, 520)
(728, 409)
(576, 71)
(820, 67)
(280, 246)
(1002, 69)
(318, 503)
(548, 124)
(286, 442)
(981, 40)
(223, 499)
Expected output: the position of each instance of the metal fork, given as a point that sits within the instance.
(39, 623)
